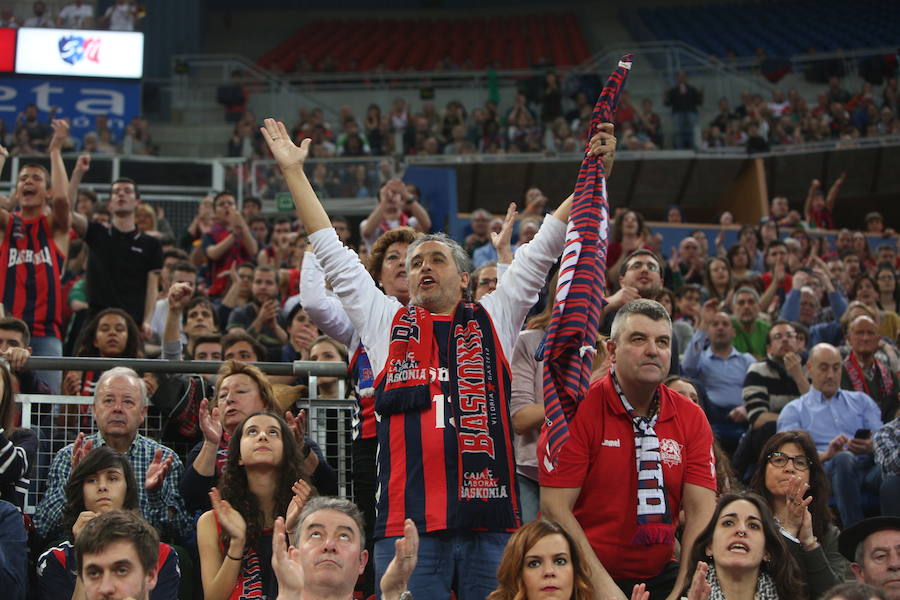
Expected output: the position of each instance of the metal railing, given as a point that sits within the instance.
(57, 419)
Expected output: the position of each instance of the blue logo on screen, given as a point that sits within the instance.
(74, 48)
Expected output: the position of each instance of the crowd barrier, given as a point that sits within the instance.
(57, 419)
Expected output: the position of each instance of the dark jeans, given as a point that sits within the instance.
(659, 586)
(365, 482)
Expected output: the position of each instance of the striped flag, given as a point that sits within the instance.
(569, 344)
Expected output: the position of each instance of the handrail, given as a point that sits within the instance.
(156, 365)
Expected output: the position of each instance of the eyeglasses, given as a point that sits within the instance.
(780, 459)
(885, 278)
(638, 265)
(779, 336)
(487, 281)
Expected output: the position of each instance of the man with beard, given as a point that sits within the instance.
(751, 331)
(769, 385)
(260, 318)
(640, 276)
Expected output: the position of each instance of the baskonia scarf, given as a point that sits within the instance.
(858, 378)
(654, 519)
(479, 401)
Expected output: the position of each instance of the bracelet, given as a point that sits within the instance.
(810, 546)
(239, 559)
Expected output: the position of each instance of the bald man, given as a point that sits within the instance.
(841, 424)
(863, 372)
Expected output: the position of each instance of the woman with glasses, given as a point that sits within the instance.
(888, 290)
(794, 484)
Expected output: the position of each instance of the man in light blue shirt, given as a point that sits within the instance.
(721, 369)
(833, 417)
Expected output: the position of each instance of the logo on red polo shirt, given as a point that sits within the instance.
(669, 452)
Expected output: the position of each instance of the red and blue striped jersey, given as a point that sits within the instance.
(31, 281)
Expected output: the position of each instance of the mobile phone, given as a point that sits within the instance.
(862, 434)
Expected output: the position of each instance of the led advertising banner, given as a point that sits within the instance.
(7, 49)
(79, 100)
(80, 53)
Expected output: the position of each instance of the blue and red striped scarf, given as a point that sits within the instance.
(569, 345)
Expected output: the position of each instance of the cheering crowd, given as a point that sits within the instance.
(739, 439)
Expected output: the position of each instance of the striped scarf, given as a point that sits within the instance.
(569, 344)
(654, 519)
(858, 377)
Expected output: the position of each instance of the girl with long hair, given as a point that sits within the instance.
(263, 479)
(740, 262)
(18, 445)
(112, 333)
(102, 481)
(791, 479)
(865, 289)
(541, 560)
(718, 283)
(740, 555)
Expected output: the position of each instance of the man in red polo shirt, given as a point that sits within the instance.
(624, 520)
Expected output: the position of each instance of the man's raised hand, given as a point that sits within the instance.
(503, 241)
(284, 151)
(157, 471)
(80, 448)
(60, 134)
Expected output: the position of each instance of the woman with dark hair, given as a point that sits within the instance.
(18, 445)
(101, 482)
(865, 289)
(263, 479)
(718, 283)
(741, 556)
(888, 290)
(793, 482)
(538, 556)
(110, 334)
(740, 262)
(749, 237)
(627, 236)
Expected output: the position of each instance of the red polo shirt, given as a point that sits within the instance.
(599, 458)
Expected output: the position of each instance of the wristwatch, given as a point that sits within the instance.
(407, 595)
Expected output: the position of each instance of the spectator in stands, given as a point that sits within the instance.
(229, 241)
(848, 460)
(793, 482)
(684, 99)
(627, 236)
(120, 407)
(37, 134)
(718, 282)
(724, 116)
(750, 328)
(262, 478)
(301, 331)
(259, 226)
(888, 290)
(35, 243)
(803, 304)
(122, 16)
(41, 16)
(768, 386)
(542, 559)
(438, 275)
(233, 97)
(14, 567)
(124, 263)
(689, 261)
(765, 570)
(187, 317)
(117, 556)
(781, 212)
(278, 253)
(15, 350)
(395, 208)
(863, 372)
(481, 233)
(334, 527)
(639, 349)
(18, 445)
(137, 138)
(102, 482)
(865, 290)
(720, 369)
(260, 317)
(179, 272)
(77, 15)
(872, 545)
